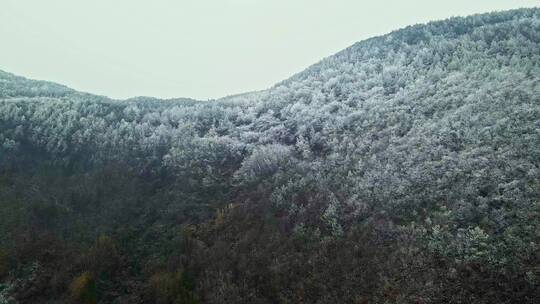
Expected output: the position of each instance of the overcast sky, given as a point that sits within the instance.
(197, 48)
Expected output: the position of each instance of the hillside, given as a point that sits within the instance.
(403, 169)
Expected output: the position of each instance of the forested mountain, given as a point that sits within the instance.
(403, 169)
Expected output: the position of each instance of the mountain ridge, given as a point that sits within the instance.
(485, 19)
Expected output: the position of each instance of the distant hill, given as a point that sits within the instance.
(16, 86)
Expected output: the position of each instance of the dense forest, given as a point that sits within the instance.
(403, 169)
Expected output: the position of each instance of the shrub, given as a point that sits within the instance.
(104, 256)
(4, 263)
(83, 289)
(171, 287)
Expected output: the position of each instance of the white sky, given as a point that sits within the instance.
(197, 48)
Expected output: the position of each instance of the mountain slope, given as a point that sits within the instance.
(16, 86)
(403, 169)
